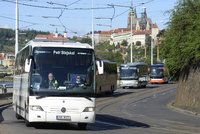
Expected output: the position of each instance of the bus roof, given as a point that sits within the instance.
(45, 43)
(134, 64)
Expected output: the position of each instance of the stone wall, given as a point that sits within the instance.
(188, 92)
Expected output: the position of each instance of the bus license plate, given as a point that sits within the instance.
(61, 117)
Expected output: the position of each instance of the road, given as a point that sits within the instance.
(129, 111)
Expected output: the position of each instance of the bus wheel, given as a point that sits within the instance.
(18, 116)
(82, 126)
(112, 92)
(27, 123)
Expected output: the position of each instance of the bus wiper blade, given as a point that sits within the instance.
(40, 97)
(88, 98)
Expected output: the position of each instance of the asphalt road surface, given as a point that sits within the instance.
(128, 111)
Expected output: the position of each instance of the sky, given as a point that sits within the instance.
(77, 14)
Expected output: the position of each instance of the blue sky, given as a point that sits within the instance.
(79, 20)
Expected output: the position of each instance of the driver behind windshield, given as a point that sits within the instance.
(53, 83)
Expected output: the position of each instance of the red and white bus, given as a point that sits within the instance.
(158, 74)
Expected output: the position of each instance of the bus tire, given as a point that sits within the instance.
(27, 123)
(82, 126)
(18, 116)
(144, 86)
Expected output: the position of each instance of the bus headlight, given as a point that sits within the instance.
(36, 108)
(89, 109)
(121, 83)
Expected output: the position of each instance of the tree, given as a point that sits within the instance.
(181, 50)
(106, 51)
(124, 43)
(7, 38)
(181, 46)
(86, 40)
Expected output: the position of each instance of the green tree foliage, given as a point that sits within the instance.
(181, 46)
(107, 52)
(7, 38)
(86, 40)
(124, 43)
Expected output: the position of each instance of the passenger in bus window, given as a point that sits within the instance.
(53, 83)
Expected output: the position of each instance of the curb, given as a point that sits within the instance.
(6, 104)
(170, 106)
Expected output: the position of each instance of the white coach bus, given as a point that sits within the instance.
(106, 77)
(55, 82)
(133, 74)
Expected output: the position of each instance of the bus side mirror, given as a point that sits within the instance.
(28, 65)
(100, 66)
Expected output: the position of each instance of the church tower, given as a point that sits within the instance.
(143, 22)
(134, 19)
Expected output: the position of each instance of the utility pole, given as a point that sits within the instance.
(145, 52)
(131, 31)
(131, 42)
(92, 23)
(16, 28)
(152, 43)
(158, 51)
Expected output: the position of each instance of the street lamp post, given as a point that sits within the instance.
(93, 23)
(131, 31)
(131, 40)
(16, 27)
(152, 43)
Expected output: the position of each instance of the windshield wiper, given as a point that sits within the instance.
(88, 98)
(40, 97)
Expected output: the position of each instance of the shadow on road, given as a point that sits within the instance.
(103, 122)
(152, 86)
(119, 121)
(116, 94)
(1, 110)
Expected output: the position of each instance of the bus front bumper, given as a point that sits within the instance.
(158, 81)
(129, 83)
(42, 116)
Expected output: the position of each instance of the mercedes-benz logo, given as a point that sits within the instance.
(63, 110)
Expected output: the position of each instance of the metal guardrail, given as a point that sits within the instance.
(5, 99)
(6, 95)
(4, 86)
(8, 85)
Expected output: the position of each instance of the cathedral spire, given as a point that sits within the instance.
(132, 14)
(148, 27)
(137, 25)
(144, 14)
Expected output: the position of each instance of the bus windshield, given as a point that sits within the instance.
(157, 72)
(62, 71)
(128, 73)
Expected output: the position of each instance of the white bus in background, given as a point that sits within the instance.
(69, 101)
(106, 77)
(133, 75)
